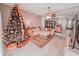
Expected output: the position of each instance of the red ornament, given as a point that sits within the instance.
(25, 41)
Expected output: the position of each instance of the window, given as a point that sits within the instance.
(50, 23)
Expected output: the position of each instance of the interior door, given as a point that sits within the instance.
(77, 33)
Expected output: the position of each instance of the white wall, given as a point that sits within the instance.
(43, 21)
(62, 20)
(33, 19)
(1, 46)
(28, 17)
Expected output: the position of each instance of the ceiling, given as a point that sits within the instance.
(41, 8)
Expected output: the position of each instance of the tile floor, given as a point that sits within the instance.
(53, 48)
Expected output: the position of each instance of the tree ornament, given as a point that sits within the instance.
(12, 31)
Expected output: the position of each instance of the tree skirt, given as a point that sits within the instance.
(11, 45)
(15, 44)
(22, 43)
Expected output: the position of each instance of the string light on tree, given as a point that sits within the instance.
(15, 30)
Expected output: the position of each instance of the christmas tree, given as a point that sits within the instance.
(15, 29)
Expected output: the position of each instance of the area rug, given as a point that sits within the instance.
(41, 40)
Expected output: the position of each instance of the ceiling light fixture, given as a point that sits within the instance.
(50, 14)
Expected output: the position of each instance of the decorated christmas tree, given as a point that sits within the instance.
(15, 29)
